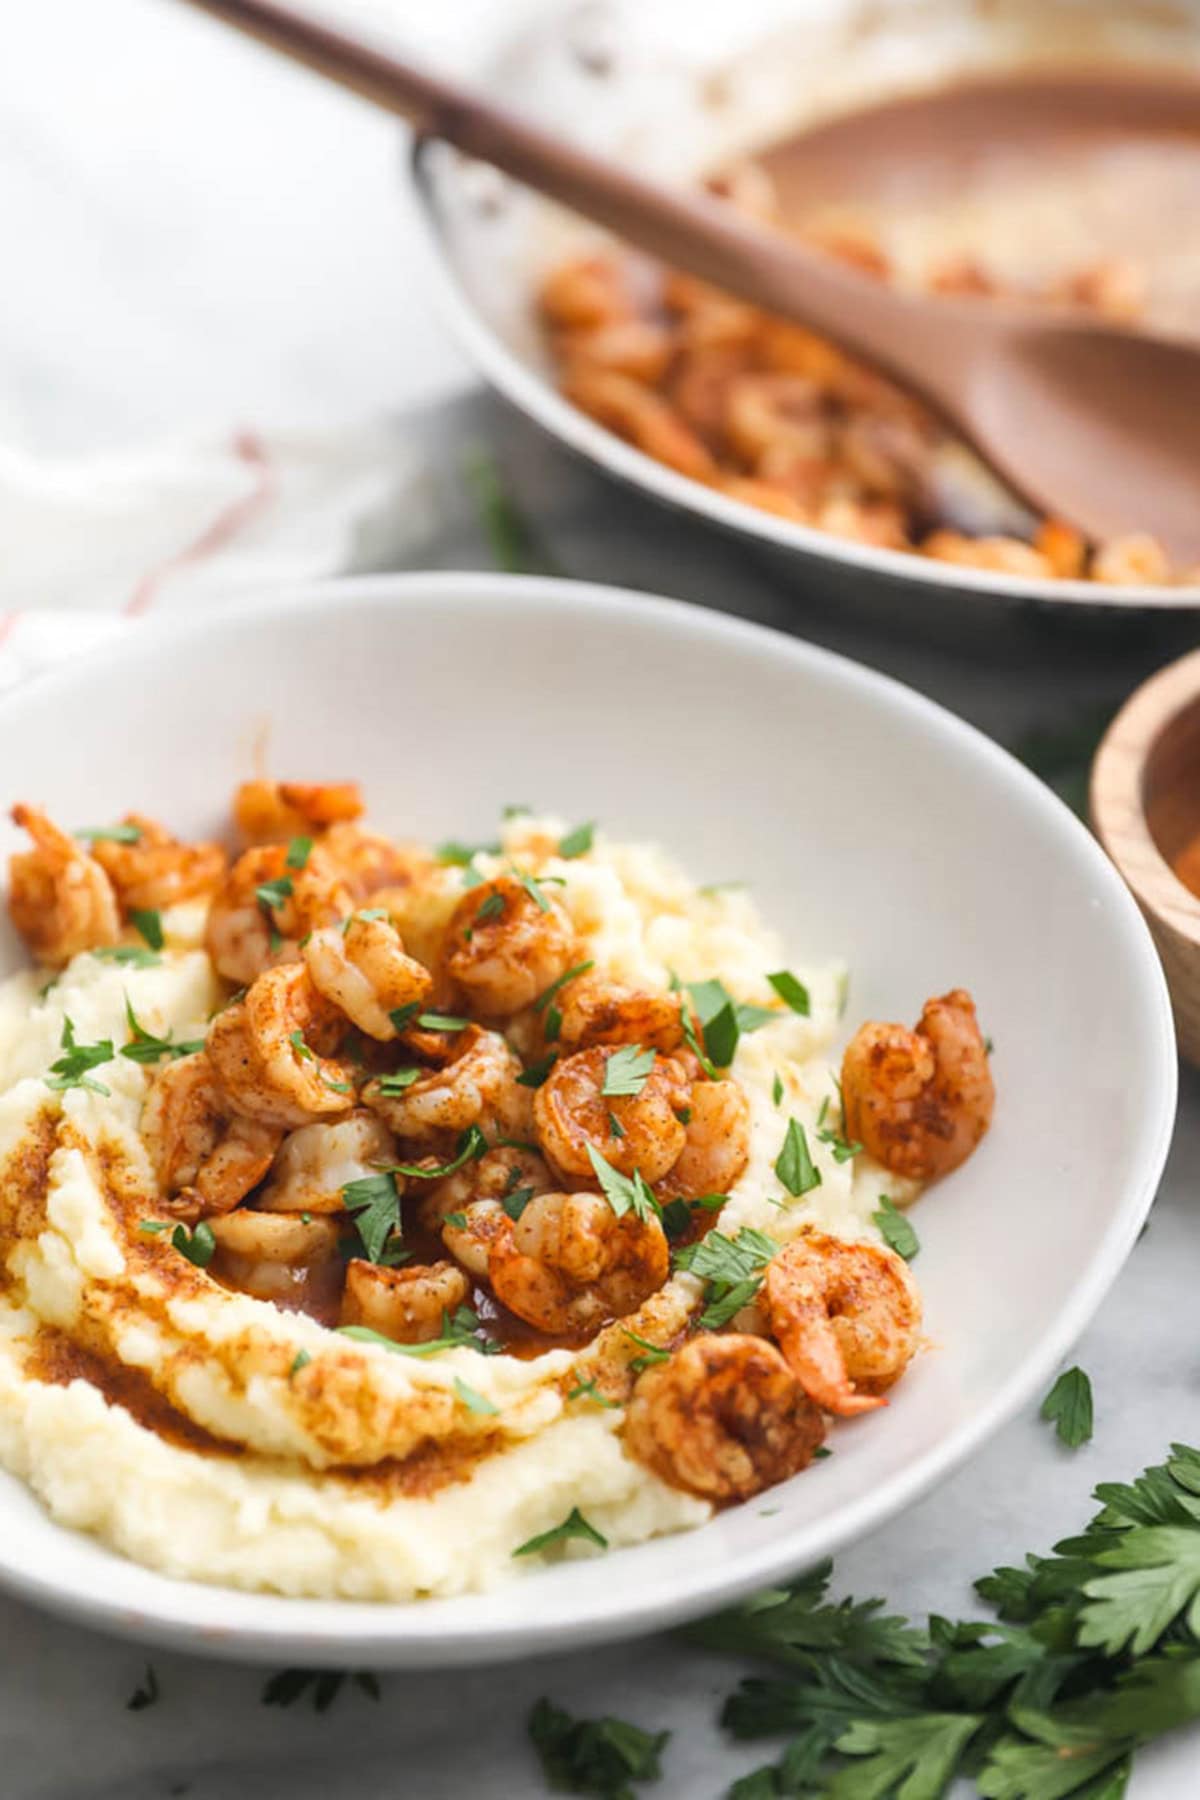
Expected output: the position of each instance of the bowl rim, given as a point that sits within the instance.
(234, 1623)
(1116, 798)
(536, 396)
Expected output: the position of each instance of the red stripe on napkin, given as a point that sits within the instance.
(224, 528)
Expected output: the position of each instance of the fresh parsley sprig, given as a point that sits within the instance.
(71, 1069)
(624, 1193)
(594, 1756)
(145, 1047)
(732, 1267)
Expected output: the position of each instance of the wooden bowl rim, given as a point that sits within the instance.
(1115, 799)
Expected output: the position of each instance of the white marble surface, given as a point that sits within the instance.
(207, 240)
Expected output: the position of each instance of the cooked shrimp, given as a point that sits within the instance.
(846, 1316)
(597, 1011)
(1137, 559)
(634, 347)
(158, 870)
(278, 1256)
(767, 412)
(642, 417)
(315, 1163)
(585, 293)
(1007, 555)
(631, 1131)
(206, 1157)
(362, 968)
(568, 1264)
(716, 1144)
(270, 1051)
(367, 861)
(724, 1418)
(265, 906)
(60, 899)
(497, 1175)
(408, 1305)
(478, 1084)
(920, 1101)
(271, 812)
(504, 946)
(485, 1224)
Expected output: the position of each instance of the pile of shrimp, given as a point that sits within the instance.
(388, 1134)
(775, 416)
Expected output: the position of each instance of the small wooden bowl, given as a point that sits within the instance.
(1145, 807)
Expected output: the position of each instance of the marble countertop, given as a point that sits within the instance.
(259, 273)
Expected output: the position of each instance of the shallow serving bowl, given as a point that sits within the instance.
(868, 823)
(679, 87)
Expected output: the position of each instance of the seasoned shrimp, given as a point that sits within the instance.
(594, 1010)
(919, 1101)
(716, 1145)
(315, 1163)
(642, 417)
(408, 1305)
(479, 1083)
(510, 1169)
(158, 870)
(271, 812)
(270, 1051)
(206, 1157)
(586, 292)
(61, 900)
(846, 1316)
(724, 1418)
(773, 412)
(279, 1256)
(367, 861)
(640, 1131)
(504, 945)
(362, 968)
(265, 906)
(568, 1264)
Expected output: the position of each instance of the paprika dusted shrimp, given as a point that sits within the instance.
(283, 1257)
(265, 906)
(919, 1101)
(639, 1131)
(724, 1418)
(504, 945)
(157, 870)
(596, 1011)
(642, 417)
(271, 812)
(270, 1051)
(368, 862)
(569, 1265)
(716, 1144)
(409, 1305)
(846, 1316)
(586, 292)
(61, 900)
(315, 1163)
(362, 968)
(498, 1175)
(478, 1084)
(206, 1157)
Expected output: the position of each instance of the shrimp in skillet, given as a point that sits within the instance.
(61, 900)
(847, 1318)
(919, 1101)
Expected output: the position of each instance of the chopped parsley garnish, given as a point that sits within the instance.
(794, 1165)
(457, 1219)
(692, 1040)
(399, 1079)
(553, 1025)
(777, 1088)
(791, 991)
(145, 1047)
(595, 1756)
(515, 1202)
(587, 1390)
(374, 1200)
(616, 1129)
(133, 954)
(198, 1245)
(71, 1068)
(1069, 1405)
(298, 853)
(573, 1526)
(509, 535)
(896, 1231)
(490, 907)
(321, 1685)
(515, 811)
(627, 1071)
(435, 1021)
(732, 1267)
(842, 1148)
(271, 894)
(676, 1219)
(651, 1353)
(403, 1016)
(533, 888)
(470, 1145)
(110, 834)
(843, 992)
(147, 1694)
(547, 994)
(296, 1040)
(148, 925)
(537, 1072)
(463, 854)
(578, 842)
(300, 1361)
(717, 1012)
(462, 1332)
(712, 888)
(624, 1193)
(472, 1400)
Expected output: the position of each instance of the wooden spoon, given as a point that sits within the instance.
(1085, 420)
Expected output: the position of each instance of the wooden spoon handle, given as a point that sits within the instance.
(693, 231)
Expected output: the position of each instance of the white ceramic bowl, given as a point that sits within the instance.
(676, 88)
(868, 822)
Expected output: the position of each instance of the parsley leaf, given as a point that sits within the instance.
(897, 1231)
(470, 1145)
(133, 954)
(514, 1203)
(794, 1165)
(1069, 1405)
(533, 888)
(652, 1353)
(547, 994)
(147, 1694)
(145, 1047)
(573, 1526)
(198, 1245)
(271, 894)
(110, 834)
(473, 1400)
(435, 1021)
(718, 1016)
(587, 1390)
(577, 842)
(627, 1071)
(298, 853)
(536, 1072)
(777, 1089)
(148, 925)
(374, 1200)
(791, 991)
(300, 1361)
(594, 1756)
(321, 1685)
(463, 854)
(71, 1068)
(462, 1332)
(403, 1016)
(397, 1081)
(624, 1193)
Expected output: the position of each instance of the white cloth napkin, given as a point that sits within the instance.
(90, 545)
